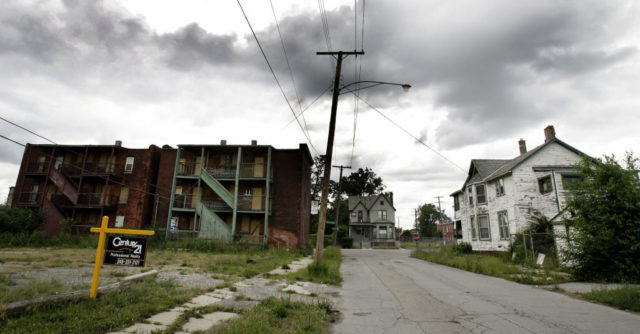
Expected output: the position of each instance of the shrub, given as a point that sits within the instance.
(462, 248)
(16, 220)
(346, 242)
(605, 210)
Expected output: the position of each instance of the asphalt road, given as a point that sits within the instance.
(386, 291)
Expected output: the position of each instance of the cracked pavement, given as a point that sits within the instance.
(386, 291)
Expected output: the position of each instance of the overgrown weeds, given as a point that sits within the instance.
(274, 315)
(492, 265)
(327, 272)
(108, 312)
(626, 298)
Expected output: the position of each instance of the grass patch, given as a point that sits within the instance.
(30, 291)
(327, 272)
(108, 312)
(492, 265)
(627, 298)
(278, 316)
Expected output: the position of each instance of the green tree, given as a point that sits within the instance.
(363, 182)
(605, 210)
(14, 220)
(428, 215)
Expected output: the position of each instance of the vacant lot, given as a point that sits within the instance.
(27, 273)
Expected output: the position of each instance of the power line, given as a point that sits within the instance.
(286, 57)
(412, 136)
(50, 155)
(66, 149)
(310, 104)
(275, 77)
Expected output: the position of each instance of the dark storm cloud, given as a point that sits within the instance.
(476, 58)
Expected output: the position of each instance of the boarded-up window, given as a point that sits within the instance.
(124, 195)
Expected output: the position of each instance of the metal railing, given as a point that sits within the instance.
(252, 170)
(182, 201)
(214, 204)
(222, 171)
(251, 202)
(188, 168)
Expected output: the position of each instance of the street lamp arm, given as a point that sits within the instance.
(371, 84)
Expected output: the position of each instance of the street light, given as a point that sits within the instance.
(337, 90)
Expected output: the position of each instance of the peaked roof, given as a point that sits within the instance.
(486, 170)
(367, 201)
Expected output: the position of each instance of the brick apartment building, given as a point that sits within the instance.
(85, 182)
(188, 191)
(272, 202)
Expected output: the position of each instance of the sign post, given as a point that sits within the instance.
(104, 230)
(416, 238)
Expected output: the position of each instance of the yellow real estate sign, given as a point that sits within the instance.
(104, 230)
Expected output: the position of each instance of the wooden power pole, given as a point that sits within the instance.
(322, 217)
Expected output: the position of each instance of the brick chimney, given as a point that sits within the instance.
(391, 197)
(523, 146)
(118, 143)
(254, 142)
(223, 142)
(549, 133)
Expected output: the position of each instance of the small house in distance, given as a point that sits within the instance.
(499, 196)
(372, 220)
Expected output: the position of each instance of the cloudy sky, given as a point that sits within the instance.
(484, 74)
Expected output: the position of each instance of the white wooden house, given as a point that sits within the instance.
(499, 196)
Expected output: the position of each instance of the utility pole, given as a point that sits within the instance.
(415, 221)
(335, 232)
(322, 217)
(439, 209)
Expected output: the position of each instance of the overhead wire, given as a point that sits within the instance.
(309, 105)
(412, 135)
(357, 75)
(286, 57)
(65, 148)
(51, 156)
(275, 77)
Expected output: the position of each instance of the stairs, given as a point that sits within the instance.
(211, 225)
(66, 186)
(216, 186)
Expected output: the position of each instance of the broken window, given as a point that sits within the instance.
(128, 165)
(481, 196)
(500, 187)
(544, 184)
(456, 203)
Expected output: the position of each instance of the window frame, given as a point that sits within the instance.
(470, 195)
(484, 193)
(382, 215)
(474, 230)
(503, 225)
(456, 203)
(480, 228)
(129, 161)
(500, 187)
(542, 181)
(360, 216)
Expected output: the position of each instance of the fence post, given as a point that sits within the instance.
(524, 244)
(533, 252)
